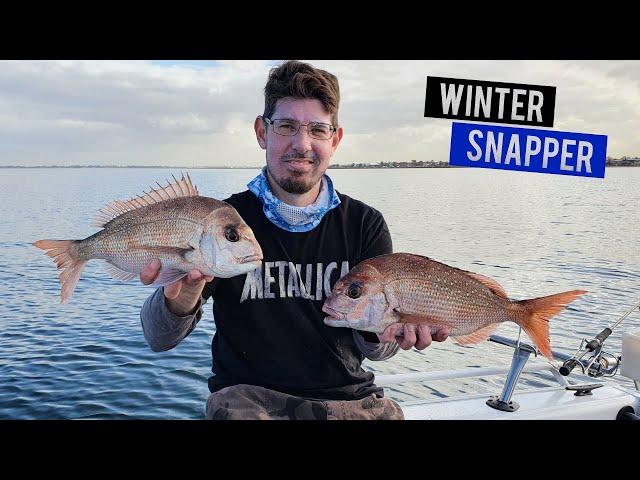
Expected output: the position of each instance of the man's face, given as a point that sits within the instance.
(297, 162)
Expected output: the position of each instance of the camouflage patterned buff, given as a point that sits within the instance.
(289, 217)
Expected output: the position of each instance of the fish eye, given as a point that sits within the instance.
(354, 290)
(231, 234)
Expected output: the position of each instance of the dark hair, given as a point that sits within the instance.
(301, 80)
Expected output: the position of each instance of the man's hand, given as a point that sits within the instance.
(181, 296)
(409, 335)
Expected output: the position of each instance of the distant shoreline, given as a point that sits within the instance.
(337, 167)
(250, 168)
(635, 162)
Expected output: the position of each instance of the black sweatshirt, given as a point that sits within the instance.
(270, 330)
(269, 323)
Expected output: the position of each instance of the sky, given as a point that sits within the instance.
(201, 113)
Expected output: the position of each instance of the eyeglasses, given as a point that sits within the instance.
(289, 128)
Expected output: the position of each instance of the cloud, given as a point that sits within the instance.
(197, 114)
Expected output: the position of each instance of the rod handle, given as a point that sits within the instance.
(568, 366)
(599, 340)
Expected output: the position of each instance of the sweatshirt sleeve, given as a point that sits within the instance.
(375, 351)
(162, 329)
(376, 239)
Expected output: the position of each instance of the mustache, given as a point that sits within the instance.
(295, 156)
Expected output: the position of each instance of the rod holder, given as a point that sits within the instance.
(504, 402)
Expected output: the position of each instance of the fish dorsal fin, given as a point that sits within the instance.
(176, 189)
(477, 336)
(490, 283)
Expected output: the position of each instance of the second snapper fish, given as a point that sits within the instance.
(402, 287)
(174, 224)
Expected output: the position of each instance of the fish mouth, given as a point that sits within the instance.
(333, 314)
(250, 259)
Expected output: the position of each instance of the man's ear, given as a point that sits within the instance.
(261, 132)
(337, 137)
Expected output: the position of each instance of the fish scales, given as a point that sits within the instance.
(441, 293)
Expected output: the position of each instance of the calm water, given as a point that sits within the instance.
(535, 234)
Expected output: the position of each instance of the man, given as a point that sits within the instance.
(273, 356)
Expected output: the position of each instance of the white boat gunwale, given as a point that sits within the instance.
(603, 400)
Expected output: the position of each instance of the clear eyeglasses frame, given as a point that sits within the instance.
(288, 127)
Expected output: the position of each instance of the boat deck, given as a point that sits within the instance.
(552, 403)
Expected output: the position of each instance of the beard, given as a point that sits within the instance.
(295, 184)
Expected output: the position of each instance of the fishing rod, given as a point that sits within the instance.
(601, 363)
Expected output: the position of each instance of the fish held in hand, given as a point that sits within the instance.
(174, 224)
(407, 288)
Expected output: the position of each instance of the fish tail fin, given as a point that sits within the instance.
(68, 262)
(536, 313)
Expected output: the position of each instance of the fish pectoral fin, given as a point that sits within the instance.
(165, 250)
(477, 336)
(408, 317)
(490, 283)
(118, 273)
(168, 276)
(420, 319)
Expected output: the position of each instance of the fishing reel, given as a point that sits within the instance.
(599, 363)
(605, 365)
